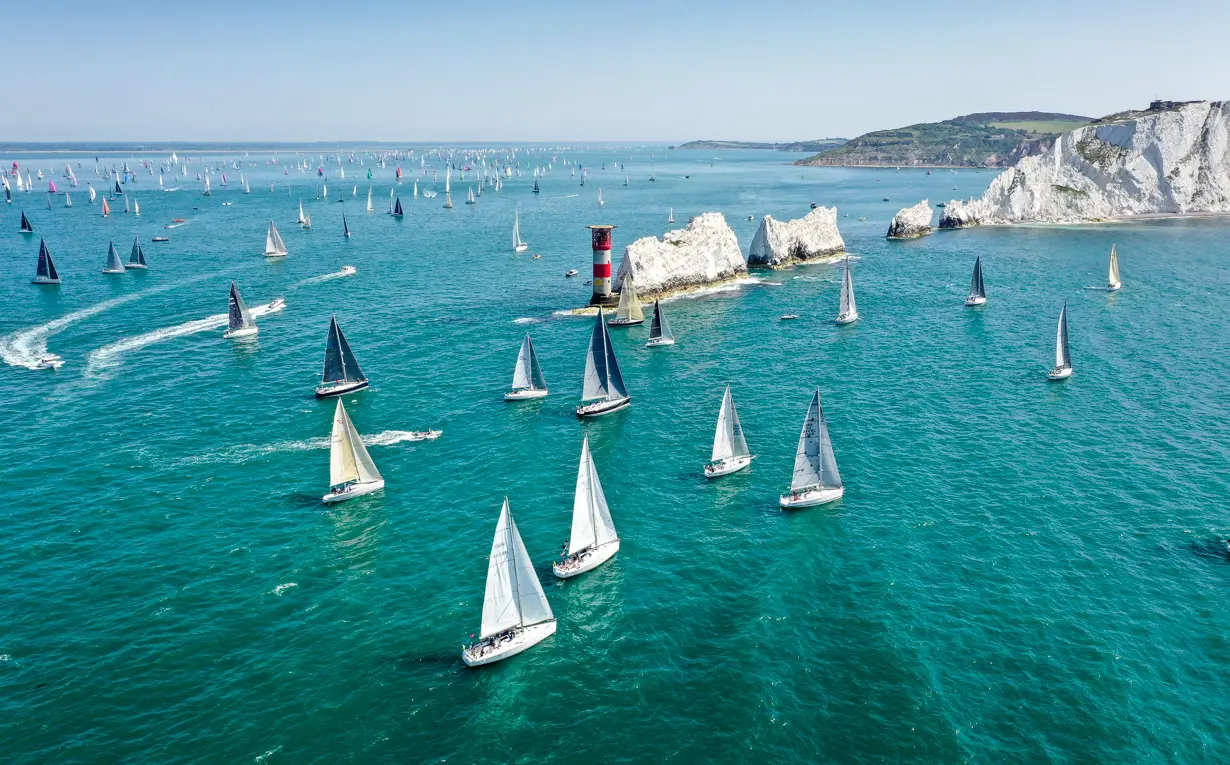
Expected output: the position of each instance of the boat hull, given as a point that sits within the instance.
(356, 490)
(1113, 287)
(114, 271)
(526, 637)
(846, 319)
(326, 391)
(811, 498)
(727, 466)
(521, 248)
(1059, 374)
(275, 254)
(602, 407)
(525, 395)
(593, 560)
(975, 301)
(624, 322)
(242, 332)
(655, 342)
(44, 280)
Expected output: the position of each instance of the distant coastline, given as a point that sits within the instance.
(815, 145)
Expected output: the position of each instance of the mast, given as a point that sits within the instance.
(975, 283)
(1062, 359)
(340, 362)
(592, 525)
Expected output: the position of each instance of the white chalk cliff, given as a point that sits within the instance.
(911, 222)
(780, 243)
(701, 254)
(1171, 159)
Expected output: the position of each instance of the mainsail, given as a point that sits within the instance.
(976, 289)
(26, 228)
(114, 264)
(848, 306)
(514, 596)
(345, 228)
(602, 377)
(518, 245)
(397, 211)
(340, 363)
(46, 266)
(528, 374)
(1114, 282)
(728, 440)
(348, 458)
(629, 306)
(814, 462)
(137, 256)
(591, 518)
(238, 315)
(273, 241)
(1062, 359)
(659, 328)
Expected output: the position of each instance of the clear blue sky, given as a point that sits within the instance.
(556, 71)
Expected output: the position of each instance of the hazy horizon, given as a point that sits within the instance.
(660, 73)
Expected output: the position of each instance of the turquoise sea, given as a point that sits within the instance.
(1020, 571)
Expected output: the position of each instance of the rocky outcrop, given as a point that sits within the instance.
(912, 222)
(1170, 159)
(701, 254)
(781, 243)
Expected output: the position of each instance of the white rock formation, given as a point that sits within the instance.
(701, 254)
(1170, 159)
(912, 222)
(780, 243)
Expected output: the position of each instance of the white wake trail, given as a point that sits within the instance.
(346, 271)
(245, 452)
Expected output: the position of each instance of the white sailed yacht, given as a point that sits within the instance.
(816, 480)
(593, 540)
(849, 310)
(518, 245)
(1063, 361)
(302, 218)
(351, 470)
(342, 373)
(629, 310)
(516, 614)
(239, 321)
(671, 217)
(659, 330)
(977, 292)
(470, 197)
(604, 384)
(1113, 283)
(370, 208)
(600, 202)
(730, 452)
(528, 381)
(274, 247)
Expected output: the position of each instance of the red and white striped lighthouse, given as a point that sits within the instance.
(602, 236)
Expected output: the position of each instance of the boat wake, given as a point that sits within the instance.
(346, 271)
(112, 355)
(526, 320)
(246, 452)
(566, 196)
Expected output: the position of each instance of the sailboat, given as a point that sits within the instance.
(307, 220)
(625, 180)
(604, 384)
(205, 193)
(849, 311)
(246, 188)
(1063, 360)
(397, 211)
(593, 540)
(448, 197)
(345, 228)
(136, 259)
(536, 189)
(670, 218)
(470, 197)
(68, 200)
(518, 245)
(516, 614)
(816, 480)
(370, 208)
(46, 273)
(126, 208)
(136, 208)
(351, 470)
(629, 310)
(1112, 283)
(415, 195)
(977, 292)
(730, 452)
(528, 381)
(600, 202)
(239, 322)
(659, 330)
(302, 218)
(93, 193)
(49, 201)
(274, 247)
(341, 373)
(26, 228)
(106, 208)
(114, 264)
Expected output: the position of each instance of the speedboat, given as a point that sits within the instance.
(812, 497)
(162, 239)
(348, 270)
(586, 560)
(275, 306)
(727, 466)
(49, 361)
(536, 257)
(571, 272)
(599, 408)
(350, 491)
(507, 644)
(789, 316)
(425, 435)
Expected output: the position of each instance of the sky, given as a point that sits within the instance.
(633, 71)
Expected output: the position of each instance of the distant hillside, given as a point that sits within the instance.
(987, 139)
(819, 144)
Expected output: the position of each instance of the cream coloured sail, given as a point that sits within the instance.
(591, 517)
(1114, 283)
(629, 306)
(514, 596)
(728, 441)
(348, 457)
(273, 242)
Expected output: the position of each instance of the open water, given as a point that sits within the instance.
(1019, 571)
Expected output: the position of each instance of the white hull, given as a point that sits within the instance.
(275, 254)
(846, 319)
(1059, 374)
(477, 655)
(42, 280)
(243, 332)
(1113, 287)
(625, 322)
(113, 271)
(525, 394)
(975, 301)
(654, 342)
(521, 248)
(50, 361)
(727, 466)
(602, 407)
(590, 561)
(324, 391)
(352, 491)
(811, 498)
